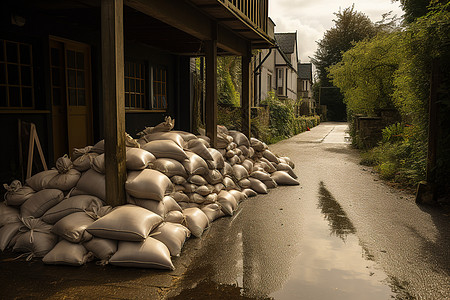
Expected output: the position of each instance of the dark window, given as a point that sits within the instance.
(16, 75)
(135, 85)
(159, 88)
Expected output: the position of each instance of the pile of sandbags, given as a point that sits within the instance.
(177, 185)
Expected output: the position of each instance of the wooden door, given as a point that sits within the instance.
(71, 95)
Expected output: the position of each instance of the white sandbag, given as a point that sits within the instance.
(258, 186)
(35, 238)
(7, 233)
(231, 146)
(172, 235)
(71, 205)
(234, 160)
(185, 205)
(8, 214)
(187, 136)
(239, 172)
(244, 183)
(238, 195)
(288, 161)
(285, 167)
(239, 138)
(99, 147)
(195, 165)
(83, 162)
(64, 181)
(251, 152)
(158, 207)
(200, 147)
(149, 253)
(165, 126)
(223, 152)
(41, 179)
(196, 179)
(218, 187)
(270, 156)
(196, 198)
(204, 138)
(40, 202)
(213, 211)
(196, 220)
(283, 178)
(174, 216)
(260, 175)
(218, 161)
(98, 164)
(211, 198)
(250, 193)
(228, 154)
(91, 183)
(227, 202)
(16, 194)
(271, 184)
(244, 150)
(138, 159)
(158, 136)
(257, 145)
(222, 129)
(73, 227)
(213, 176)
(180, 197)
(103, 249)
(223, 140)
(178, 180)
(178, 188)
(63, 164)
(78, 152)
(165, 149)
(237, 152)
(148, 184)
(204, 190)
(127, 223)
(130, 142)
(169, 167)
(229, 183)
(227, 169)
(270, 168)
(67, 253)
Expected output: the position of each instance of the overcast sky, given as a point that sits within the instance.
(311, 18)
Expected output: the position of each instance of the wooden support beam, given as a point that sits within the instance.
(211, 88)
(246, 92)
(113, 100)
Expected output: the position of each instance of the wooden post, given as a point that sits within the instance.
(246, 96)
(211, 87)
(113, 100)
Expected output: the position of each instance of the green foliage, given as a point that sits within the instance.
(414, 9)
(393, 133)
(281, 116)
(228, 80)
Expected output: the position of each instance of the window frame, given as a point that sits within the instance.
(143, 80)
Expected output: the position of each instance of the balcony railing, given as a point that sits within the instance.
(254, 12)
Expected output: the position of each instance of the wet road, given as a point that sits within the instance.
(341, 234)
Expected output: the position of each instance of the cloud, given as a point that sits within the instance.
(312, 18)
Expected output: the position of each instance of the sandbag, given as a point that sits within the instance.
(251, 152)
(239, 138)
(98, 164)
(158, 207)
(78, 152)
(83, 162)
(35, 238)
(250, 193)
(71, 205)
(197, 179)
(165, 149)
(218, 161)
(195, 220)
(204, 190)
(270, 168)
(165, 126)
(185, 205)
(7, 234)
(172, 235)
(218, 187)
(200, 147)
(238, 195)
(257, 145)
(196, 198)
(99, 147)
(285, 167)
(148, 184)
(149, 253)
(138, 159)
(174, 216)
(180, 197)
(130, 142)
(229, 154)
(244, 183)
(239, 172)
(213, 211)
(40, 202)
(229, 183)
(178, 188)
(258, 186)
(227, 202)
(41, 179)
(187, 136)
(8, 214)
(169, 167)
(178, 180)
(283, 178)
(127, 222)
(195, 165)
(204, 138)
(270, 156)
(73, 227)
(271, 184)
(91, 183)
(244, 150)
(103, 249)
(211, 198)
(234, 160)
(67, 253)
(64, 181)
(288, 161)
(158, 136)
(227, 169)
(213, 176)
(16, 194)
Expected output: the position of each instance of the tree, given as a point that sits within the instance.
(414, 9)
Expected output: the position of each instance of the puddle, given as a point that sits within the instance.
(332, 264)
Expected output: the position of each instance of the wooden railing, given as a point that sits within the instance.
(254, 12)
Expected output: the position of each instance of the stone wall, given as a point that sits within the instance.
(369, 129)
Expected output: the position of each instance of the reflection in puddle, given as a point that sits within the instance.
(339, 223)
(332, 266)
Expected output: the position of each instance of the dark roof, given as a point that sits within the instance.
(305, 71)
(286, 41)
